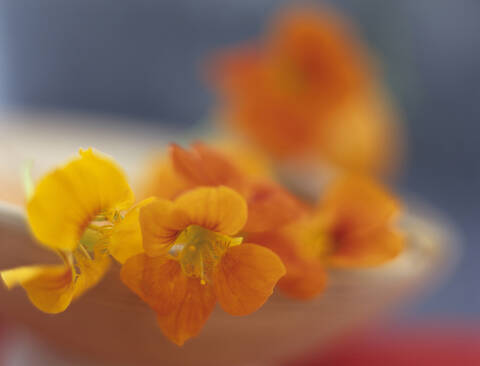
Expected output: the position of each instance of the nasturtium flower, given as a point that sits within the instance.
(300, 92)
(193, 259)
(352, 227)
(83, 211)
(269, 204)
(358, 216)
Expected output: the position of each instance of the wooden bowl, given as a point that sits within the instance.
(111, 325)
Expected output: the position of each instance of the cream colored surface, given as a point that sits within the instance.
(47, 140)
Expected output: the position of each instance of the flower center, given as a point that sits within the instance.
(317, 240)
(97, 230)
(198, 250)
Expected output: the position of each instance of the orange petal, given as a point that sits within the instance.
(305, 278)
(158, 281)
(360, 201)
(232, 70)
(160, 223)
(219, 209)
(369, 249)
(245, 277)
(273, 124)
(270, 206)
(362, 135)
(205, 167)
(322, 48)
(249, 161)
(162, 180)
(189, 317)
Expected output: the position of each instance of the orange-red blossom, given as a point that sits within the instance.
(352, 227)
(193, 259)
(308, 90)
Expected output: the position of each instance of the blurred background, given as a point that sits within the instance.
(141, 61)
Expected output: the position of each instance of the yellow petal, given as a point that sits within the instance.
(219, 209)
(49, 288)
(125, 238)
(245, 277)
(160, 224)
(65, 200)
(91, 270)
(189, 317)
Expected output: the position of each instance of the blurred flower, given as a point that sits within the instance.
(192, 260)
(309, 91)
(269, 205)
(358, 217)
(82, 211)
(353, 227)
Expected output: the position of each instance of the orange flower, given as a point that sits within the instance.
(301, 92)
(269, 205)
(192, 260)
(352, 227)
(358, 216)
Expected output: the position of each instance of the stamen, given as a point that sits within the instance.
(84, 251)
(198, 250)
(90, 237)
(97, 230)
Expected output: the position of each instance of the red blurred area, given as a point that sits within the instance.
(426, 345)
(2, 333)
